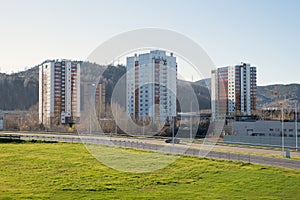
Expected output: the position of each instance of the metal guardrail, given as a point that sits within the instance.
(10, 137)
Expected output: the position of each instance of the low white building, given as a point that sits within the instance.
(264, 128)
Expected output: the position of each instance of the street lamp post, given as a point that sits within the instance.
(116, 119)
(296, 122)
(173, 132)
(90, 117)
(143, 126)
(296, 125)
(90, 106)
(282, 131)
(191, 126)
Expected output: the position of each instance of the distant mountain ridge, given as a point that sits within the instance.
(19, 91)
(266, 95)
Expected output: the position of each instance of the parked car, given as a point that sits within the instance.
(170, 140)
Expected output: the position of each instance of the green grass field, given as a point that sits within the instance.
(68, 171)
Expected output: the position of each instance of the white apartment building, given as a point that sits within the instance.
(151, 85)
(233, 90)
(59, 92)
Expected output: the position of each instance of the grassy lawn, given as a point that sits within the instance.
(69, 171)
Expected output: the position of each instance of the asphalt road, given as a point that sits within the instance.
(201, 150)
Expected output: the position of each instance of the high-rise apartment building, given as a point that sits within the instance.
(233, 91)
(59, 92)
(151, 86)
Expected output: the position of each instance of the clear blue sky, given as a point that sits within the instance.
(265, 33)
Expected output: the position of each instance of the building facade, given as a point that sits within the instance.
(151, 86)
(100, 98)
(59, 92)
(233, 91)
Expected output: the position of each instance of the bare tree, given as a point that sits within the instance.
(30, 120)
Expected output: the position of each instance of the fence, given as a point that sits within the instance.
(273, 141)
